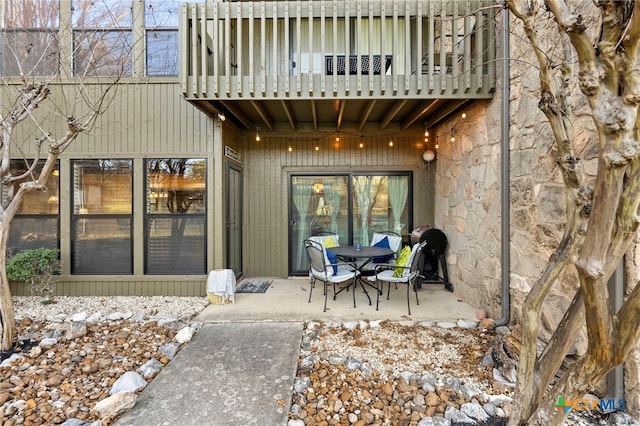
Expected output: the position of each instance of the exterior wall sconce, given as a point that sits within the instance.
(428, 156)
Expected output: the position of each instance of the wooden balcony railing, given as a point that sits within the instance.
(271, 49)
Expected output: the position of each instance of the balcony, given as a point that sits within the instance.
(287, 51)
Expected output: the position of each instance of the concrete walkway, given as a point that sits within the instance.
(229, 374)
(239, 369)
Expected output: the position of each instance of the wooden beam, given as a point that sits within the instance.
(343, 104)
(393, 111)
(239, 116)
(289, 113)
(264, 115)
(366, 113)
(314, 114)
(426, 108)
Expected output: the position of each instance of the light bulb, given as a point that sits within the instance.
(290, 149)
(453, 139)
(437, 146)
(317, 148)
(464, 115)
(257, 137)
(361, 145)
(390, 143)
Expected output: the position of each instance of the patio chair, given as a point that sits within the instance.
(394, 241)
(400, 273)
(320, 269)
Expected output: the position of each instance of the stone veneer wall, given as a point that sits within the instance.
(468, 205)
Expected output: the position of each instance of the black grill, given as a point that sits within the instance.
(434, 265)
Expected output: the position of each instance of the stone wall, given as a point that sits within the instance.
(468, 205)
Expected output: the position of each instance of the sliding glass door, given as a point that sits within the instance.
(352, 206)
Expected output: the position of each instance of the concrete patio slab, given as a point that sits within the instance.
(286, 300)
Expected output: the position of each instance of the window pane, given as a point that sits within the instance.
(30, 53)
(102, 53)
(162, 52)
(380, 204)
(102, 186)
(176, 245)
(34, 202)
(101, 13)
(32, 233)
(102, 245)
(32, 13)
(320, 206)
(175, 186)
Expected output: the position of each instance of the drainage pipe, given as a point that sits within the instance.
(505, 201)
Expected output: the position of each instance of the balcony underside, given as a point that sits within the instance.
(362, 104)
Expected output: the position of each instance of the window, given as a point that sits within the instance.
(35, 224)
(30, 45)
(102, 217)
(352, 206)
(161, 23)
(102, 37)
(175, 219)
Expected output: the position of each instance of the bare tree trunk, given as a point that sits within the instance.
(7, 321)
(601, 223)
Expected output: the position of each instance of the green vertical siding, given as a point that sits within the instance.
(268, 163)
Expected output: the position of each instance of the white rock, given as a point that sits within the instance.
(13, 359)
(128, 382)
(80, 316)
(48, 342)
(95, 317)
(446, 324)
(462, 323)
(184, 335)
(115, 404)
(150, 368)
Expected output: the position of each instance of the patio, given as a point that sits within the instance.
(286, 300)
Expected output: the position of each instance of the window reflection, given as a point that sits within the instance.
(102, 37)
(350, 206)
(30, 44)
(36, 222)
(175, 217)
(102, 216)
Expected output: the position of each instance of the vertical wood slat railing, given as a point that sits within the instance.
(284, 49)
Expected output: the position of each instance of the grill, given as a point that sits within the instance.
(434, 266)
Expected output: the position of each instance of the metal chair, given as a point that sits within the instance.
(410, 272)
(320, 269)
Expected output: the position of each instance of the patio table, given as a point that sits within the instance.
(351, 253)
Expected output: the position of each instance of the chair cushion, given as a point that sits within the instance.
(329, 242)
(403, 259)
(384, 243)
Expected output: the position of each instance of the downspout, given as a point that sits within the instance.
(505, 201)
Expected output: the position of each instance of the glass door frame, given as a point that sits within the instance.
(292, 211)
(231, 167)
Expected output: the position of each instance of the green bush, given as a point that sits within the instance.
(36, 267)
(28, 264)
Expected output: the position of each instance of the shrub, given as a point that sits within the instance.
(36, 267)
